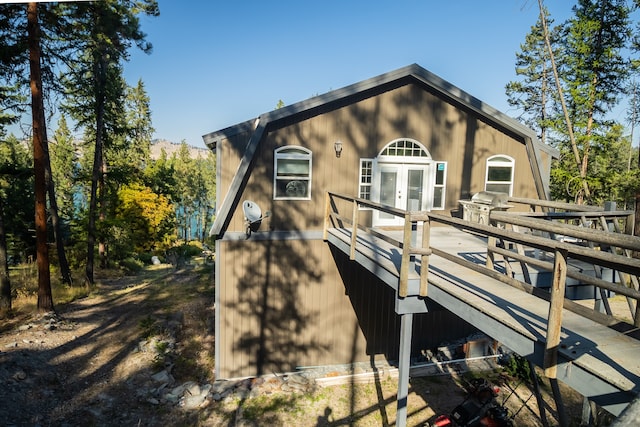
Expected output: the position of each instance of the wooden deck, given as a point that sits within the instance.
(593, 358)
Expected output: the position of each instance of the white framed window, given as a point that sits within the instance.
(366, 179)
(292, 173)
(439, 185)
(499, 175)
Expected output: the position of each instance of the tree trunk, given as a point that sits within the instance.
(55, 221)
(45, 298)
(102, 198)
(572, 139)
(96, 176)
(5, 283)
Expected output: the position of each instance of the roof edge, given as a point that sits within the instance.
(436, 83)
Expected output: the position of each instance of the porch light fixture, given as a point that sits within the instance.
(337, 146)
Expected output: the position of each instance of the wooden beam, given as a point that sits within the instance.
(403, 288)
(554, 325)
(424, 260)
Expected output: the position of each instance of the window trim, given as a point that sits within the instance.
(302, 154)
(492, 162)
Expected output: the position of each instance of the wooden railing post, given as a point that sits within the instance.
(554, 321)
(354, 231)
(424, 259)
(491, 244)
(403, 289)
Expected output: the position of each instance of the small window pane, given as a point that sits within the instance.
(500, 188)
(365, 193)
(438, 200)
(440, 176)
(499, 173)
(293, 167)
(292, 188)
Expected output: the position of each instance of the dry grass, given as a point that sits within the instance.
(160, 292)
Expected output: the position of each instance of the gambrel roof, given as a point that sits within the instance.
(411, 74)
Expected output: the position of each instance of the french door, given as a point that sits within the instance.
(403, 186)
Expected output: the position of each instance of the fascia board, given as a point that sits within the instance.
(223, 215)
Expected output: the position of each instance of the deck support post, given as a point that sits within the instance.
(404, 365)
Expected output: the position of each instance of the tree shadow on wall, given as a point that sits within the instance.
(271, 291)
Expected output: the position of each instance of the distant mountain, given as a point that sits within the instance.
(157, 145)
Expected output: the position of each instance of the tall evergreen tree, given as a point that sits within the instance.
(11, 49)
(13, 63)
(64, 169)
(40, 160)
(534, 93)
(16, 197)
(140, 126)
(207, 169)
(187, 185)
(107, 30)
(159, 175)
(595, 70)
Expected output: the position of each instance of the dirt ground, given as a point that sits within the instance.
(110, 358)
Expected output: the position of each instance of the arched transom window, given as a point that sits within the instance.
(405, 147)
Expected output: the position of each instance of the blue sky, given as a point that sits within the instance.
(217, 63)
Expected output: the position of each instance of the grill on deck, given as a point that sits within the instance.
(481, 204)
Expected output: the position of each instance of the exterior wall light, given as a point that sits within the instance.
(337, 146)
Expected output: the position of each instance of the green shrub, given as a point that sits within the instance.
(518, 367)
(145, 257)
(191, 249)
(131, 265)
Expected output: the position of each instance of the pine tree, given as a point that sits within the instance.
(107, 30)
(40, 160)
(64, 159)
(595, 71)
(16, 198)
(139, 122)
(533, 94)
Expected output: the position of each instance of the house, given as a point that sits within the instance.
(285, 298)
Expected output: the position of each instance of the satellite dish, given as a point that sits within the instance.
(252, 212)
(252, 216)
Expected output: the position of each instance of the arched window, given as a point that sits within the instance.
(499, 174)
(292, 176)
(405, 147)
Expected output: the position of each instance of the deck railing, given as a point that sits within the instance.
(507, 230)
(408, 244)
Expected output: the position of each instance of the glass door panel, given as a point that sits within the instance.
(415, 186)
(401, 186)
(388, 189)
